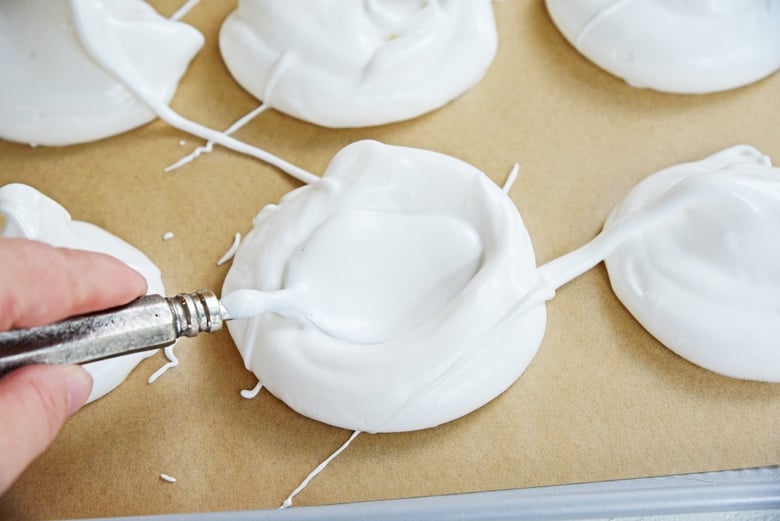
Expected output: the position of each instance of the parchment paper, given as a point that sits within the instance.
(601, 400)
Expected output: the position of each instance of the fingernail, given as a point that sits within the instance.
(79, 385)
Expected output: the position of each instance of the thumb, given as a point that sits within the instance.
(35, 401)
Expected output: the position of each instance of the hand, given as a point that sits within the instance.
(38, 285)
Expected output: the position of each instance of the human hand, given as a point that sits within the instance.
(38, 285)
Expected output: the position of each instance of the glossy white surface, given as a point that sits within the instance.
(704, 278)
(53, 93)
(30, 214)
(355, 63)
(92, 23)
(398, 268)
(691, 46)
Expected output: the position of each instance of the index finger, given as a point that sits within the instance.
(40, 284)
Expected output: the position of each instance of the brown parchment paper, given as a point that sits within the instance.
(601, 400)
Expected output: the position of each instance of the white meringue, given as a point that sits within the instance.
(30, 214)
(53, 93)
(690, 46)
(355, 63)
(400, 269)
(704, 279)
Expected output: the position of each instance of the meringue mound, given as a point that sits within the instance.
(53, 93)
(356, 63)
(30, 214)
(687, 47)
(705, 278)
(398, 270)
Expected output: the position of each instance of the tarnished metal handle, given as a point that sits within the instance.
(151, 322)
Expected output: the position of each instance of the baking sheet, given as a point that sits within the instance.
(746, 495)
(602, 399)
